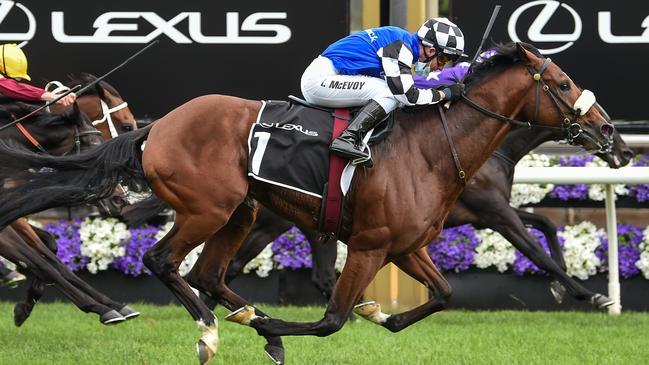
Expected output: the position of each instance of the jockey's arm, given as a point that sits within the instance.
(25, 92)
(397, 60)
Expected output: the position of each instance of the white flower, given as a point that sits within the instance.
(494, 250)
(580, 243)
(262, 264)
(101, 241)
(643, 262)
(522, 194)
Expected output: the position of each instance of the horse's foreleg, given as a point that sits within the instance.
(512, 228)
(419, 266)
(16, 250)
(549, 230)
(360, 269)
(323, 272)
(46, 244)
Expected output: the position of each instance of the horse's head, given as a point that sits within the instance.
(105, 107)
(618, 154)
(60, 133)
(556, 102)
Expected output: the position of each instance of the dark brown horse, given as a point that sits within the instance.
(63, 133)
(196, 161)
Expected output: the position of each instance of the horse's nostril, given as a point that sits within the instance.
(607, 130)
(627, 154)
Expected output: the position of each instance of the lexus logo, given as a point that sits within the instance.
(6, 8)
(535, 31)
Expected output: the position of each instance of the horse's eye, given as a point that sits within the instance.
(127, 128)
(565, 86)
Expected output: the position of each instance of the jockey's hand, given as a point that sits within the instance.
(65, 101)
(453, 92)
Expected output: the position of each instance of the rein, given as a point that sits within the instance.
(571, 128)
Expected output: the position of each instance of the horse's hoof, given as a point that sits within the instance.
(558, 291)
(242, 315)
(111, 317)
(371, 311)
(205, 354)
(601, 301)
(128, 312)
(275, 353)
(13, 279)
(21, 313)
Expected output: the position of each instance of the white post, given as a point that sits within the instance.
(613, 267)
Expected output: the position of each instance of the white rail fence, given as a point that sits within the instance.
(593, 175)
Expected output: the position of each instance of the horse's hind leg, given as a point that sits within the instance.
(360, 269)
(209, 274)
(164, 258)
(419, 266)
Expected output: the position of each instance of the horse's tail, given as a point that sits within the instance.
(38, 182)
(142, 212)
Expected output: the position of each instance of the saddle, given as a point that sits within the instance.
(381, 132)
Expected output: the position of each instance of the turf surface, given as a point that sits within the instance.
(60, 334)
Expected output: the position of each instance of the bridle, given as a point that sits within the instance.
(571, 129)
(107, 118)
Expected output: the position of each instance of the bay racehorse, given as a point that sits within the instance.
(196, 161)
(61, 133)
(484, 203)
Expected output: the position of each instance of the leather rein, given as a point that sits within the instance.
(571, 129)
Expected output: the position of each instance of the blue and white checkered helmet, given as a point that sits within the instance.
(444, 35)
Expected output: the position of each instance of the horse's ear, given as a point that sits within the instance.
(100, 91)
(525, 55)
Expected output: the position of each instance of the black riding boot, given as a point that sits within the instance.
(349, 143)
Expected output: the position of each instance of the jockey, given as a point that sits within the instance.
(13, 68)
(374, 68)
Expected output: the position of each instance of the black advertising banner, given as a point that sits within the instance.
(603, 45)
(254, 49)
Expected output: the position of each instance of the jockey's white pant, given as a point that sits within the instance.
(322, 85)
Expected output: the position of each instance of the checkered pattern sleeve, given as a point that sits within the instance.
(397, 60)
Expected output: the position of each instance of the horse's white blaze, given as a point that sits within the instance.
(585, 101)
(371, 311)
(210, 334)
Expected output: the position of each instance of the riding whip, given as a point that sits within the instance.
(494, 14)
(78, 88)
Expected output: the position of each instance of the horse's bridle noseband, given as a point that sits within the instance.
(571, 128)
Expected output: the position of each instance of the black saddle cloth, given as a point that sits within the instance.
(289, 145)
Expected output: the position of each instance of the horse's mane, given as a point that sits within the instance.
(505, 56)
(86, 78)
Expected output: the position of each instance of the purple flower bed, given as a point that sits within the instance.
(453, 249)
(142, 239)
(292, 250)
(571, 192)
(67, 236)
(640, 191)
(628, 239)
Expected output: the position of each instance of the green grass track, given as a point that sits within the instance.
(60, 334)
